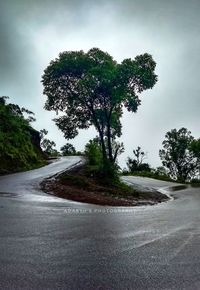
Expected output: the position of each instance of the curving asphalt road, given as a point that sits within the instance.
(51, 243)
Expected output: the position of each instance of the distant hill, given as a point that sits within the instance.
(19, 142)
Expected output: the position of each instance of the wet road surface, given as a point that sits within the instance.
(50, 243)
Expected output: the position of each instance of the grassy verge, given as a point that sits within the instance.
(15, 169)
(150, 175)
(79, 184)
(193, 183)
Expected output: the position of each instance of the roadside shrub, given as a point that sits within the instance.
(97, 167)
(195, 181)
(93, 153)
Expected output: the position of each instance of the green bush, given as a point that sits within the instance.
(93, 153)
(195, 181)
(98, 167)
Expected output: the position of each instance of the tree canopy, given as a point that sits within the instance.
(68, 149)
(92, 89)
(181, 154)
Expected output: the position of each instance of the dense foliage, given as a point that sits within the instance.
(68, 149)
(181, 154)
(93, 153)
(92, 89)
(19, 142)
(97, 167)
(48, 146)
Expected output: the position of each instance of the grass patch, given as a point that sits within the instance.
(75, 180)
(150, 175)
(86, 177)
(16, 169)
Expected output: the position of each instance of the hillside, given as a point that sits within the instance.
(19, 142)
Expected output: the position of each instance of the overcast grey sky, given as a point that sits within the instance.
(32, 33)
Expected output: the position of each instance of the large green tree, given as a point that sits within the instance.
(92, 89)
(180, 154)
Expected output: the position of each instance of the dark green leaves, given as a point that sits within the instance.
(180, 154)
(91, 89)
(18, 149)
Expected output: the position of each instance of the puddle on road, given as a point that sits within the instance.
(8, 194)
(177, 187)
(197, 185)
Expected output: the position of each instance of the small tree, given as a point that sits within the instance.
(68, 149)
(43, 133)
(140, 155)
(178, 156)
(161, 171)
(105, 173)
(92, 89)
(93, 153)
(136, 164)
(47, 145)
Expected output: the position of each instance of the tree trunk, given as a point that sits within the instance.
(115, 155)
(110, 155)
(103, 146)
